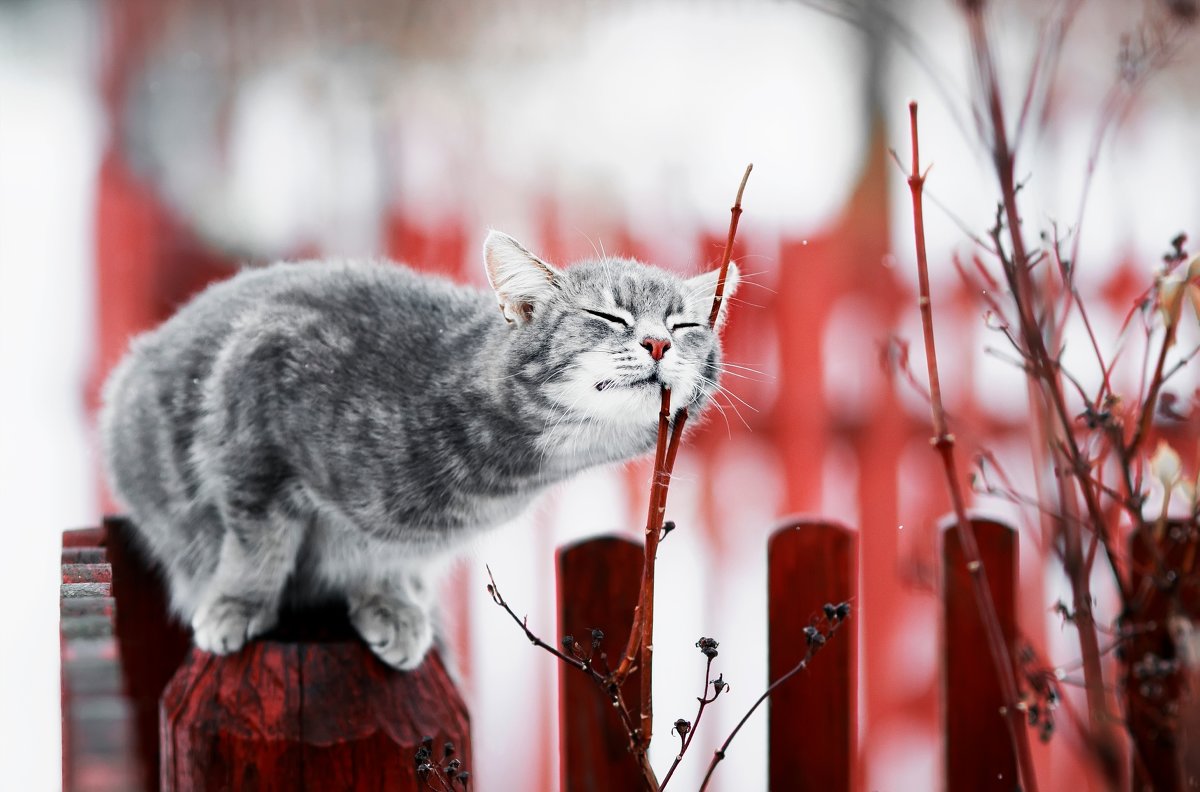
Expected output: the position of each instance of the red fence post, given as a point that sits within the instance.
(813, 717)
(306, 715)
(979, 751)
(598, 583)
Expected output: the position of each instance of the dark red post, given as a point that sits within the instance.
(305, 715)
(979, 751)
(598, 583)
(814, 716)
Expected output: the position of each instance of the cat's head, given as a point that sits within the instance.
(602, 336)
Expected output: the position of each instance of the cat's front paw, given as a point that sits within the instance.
(399, 632)
(224, 624)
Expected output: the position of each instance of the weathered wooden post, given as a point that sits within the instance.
(305, 715)
(306, 708)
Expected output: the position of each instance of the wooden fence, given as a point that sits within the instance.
(310, 708)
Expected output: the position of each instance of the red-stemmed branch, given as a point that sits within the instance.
(687, 729)
(587, 664)
(640, 645)
(639, 648)
(943, 444)
(735, 214)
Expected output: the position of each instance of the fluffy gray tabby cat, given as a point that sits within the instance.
(339, 429)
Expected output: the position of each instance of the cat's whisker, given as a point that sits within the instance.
(743, 367)
(728, 394)
(733, 407)
(724, 417)
(726, 373)
(747, 303)
(745, 372)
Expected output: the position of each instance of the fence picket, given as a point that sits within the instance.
(814, 716)
(979, 752)
(598, 582)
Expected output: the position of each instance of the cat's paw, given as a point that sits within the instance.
(398, 632)
(224, 624)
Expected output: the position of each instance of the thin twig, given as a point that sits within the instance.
(642, 630)
(735, 213)
(943, 442)
(816, 640)
(602, 678)
(704, 700)
(1031, 332)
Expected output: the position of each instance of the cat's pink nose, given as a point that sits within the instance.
(657, 347)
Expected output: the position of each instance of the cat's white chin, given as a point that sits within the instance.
(634, 403)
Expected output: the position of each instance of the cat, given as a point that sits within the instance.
(340, 429)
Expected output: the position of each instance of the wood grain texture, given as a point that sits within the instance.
(598, 583)
(979, 752)
(87, 573)
(304, 716)
(814, 716)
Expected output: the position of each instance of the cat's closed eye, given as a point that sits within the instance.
(683, 325)
(607, 317)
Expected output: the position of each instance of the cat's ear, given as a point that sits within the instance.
(520, 278)
(701, 289)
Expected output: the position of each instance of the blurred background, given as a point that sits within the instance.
(148, 147)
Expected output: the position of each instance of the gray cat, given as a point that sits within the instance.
(338, 429)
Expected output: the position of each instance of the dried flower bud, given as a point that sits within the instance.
(1171, 289)
(843, 611)
(1166, 466)
(830, 611)
(447, 750)
(568, 642)
(708, 647)
(682, 727)
(719, 685)
(597, 637)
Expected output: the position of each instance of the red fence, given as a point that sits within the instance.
(310, 708)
